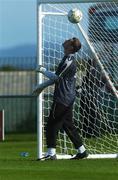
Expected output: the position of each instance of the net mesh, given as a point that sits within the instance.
(96, 107)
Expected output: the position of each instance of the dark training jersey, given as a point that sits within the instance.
(65, 86)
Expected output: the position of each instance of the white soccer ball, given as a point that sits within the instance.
(75, 16)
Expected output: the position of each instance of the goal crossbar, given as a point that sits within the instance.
(72, 1)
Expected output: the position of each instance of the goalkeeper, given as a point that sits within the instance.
(64, 96)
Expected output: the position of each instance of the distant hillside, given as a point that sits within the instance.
(24, 56)
(26, 50)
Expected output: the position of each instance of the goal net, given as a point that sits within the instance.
(96, 106)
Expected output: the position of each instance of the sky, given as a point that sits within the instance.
(18, 27)
(17, 23)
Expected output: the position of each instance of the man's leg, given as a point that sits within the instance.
(73, 134)
(54, 123)
(71, 129)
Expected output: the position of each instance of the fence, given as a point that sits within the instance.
(17, 79)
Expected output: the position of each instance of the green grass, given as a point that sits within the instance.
(15, 167)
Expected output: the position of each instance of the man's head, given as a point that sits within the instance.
(71, 46)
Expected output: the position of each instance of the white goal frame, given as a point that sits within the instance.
(39, 61)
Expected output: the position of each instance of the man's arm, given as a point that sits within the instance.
(52, 76)
(40, 87)
(61, 71)
(107, 85)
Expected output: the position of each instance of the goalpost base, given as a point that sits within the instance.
(102, 156)
(91, 156)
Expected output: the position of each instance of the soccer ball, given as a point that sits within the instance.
(75, 16)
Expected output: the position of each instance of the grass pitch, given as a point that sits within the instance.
(15, 167)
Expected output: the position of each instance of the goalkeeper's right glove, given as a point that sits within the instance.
(40, 69)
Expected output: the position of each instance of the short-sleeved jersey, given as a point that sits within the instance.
(65, 87)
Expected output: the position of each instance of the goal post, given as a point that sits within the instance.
(2, 133)
(96, 108)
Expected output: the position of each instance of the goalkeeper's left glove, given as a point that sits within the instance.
(78, 91)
